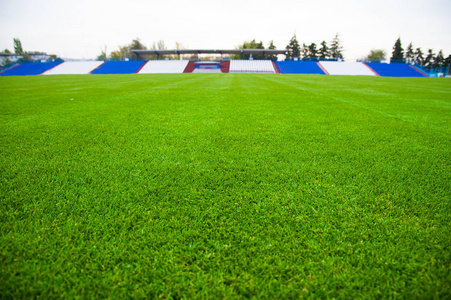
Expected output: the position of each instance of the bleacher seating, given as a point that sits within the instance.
(346, 68)
(251, 66)
(30, 69)
(164, 66)
(299, 67)
(395, 70)
(119, 67)
(206, 70)
(74, 67)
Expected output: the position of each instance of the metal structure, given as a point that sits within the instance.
(179, 52)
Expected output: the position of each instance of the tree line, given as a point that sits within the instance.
(18, 50)
(294, 50)
(416, 55)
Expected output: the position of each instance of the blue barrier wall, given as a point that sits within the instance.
(299, 67)
(30, 69)
(394, 70)
(119, 67)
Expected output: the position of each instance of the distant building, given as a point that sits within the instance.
(38, 56)
(9, 57)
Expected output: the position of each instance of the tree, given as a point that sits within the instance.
(336, 49)
(312, 51)
(398, 51)
(439, 60)
(429, 60)
(6, 51)
(324, 50)
(448, 61)
(137, 45)
(253, 45)
(103, 55)
(377, 54)
(293, 48)
(304, 50)
(409, 53)
(122, 53)
(18, 47)
(271, 46)
(249, 45)
(419, 56)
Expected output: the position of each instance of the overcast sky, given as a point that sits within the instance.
(81, 28)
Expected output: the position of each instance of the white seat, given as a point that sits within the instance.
(346, 68)
(164, 66)
(74, 67)
(252, 66)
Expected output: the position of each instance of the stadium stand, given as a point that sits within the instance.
(206, 70)
(119, 67)
(395, 70)
(74, 67)
(164, 66)
(299, 67)
(251, 66)
(346, 68)
(190, 67)
(225, 66)
(30, 69)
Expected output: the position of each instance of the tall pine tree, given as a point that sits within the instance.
(304, 50)
(271, 56)
(398, 51)
(312, 51)
(419, 58)
(409, 53)
(429, 60)
(324, 50)
(336, 49)
(439, 60)
(293, 48)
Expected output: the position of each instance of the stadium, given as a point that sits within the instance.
(219, 173)
(130, 66)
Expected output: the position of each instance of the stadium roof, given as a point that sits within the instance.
(206, 51)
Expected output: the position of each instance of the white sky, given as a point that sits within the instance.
(81, 28)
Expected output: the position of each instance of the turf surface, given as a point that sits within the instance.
(225, 185)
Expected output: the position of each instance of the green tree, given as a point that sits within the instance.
(410, 54)
(293, 48)
(137, 45)
(439, 60)
(312, 51)
(429, 60)
(6, 51)
(253, 45)
(122, 53)
(419, 58)
(447, 62)
(18, 47)
(377, 54)
(398, 51)
(271, 47)
(103, 55)
(324, 50)
(304, 50)
(336, 48)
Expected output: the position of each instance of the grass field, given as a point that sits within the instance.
(225, 186)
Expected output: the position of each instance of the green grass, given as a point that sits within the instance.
(225, 186)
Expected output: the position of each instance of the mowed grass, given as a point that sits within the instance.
(225, 186)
